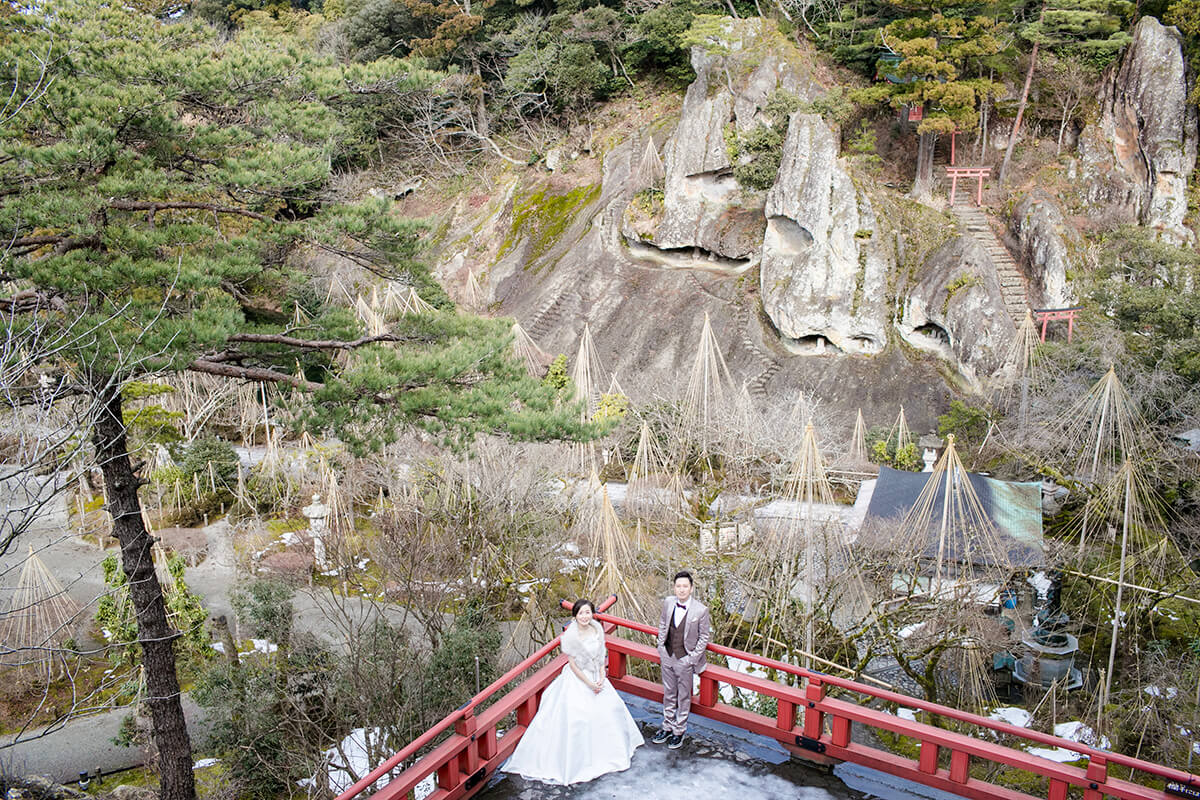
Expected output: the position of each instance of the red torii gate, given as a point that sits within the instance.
(807, 722)
(954, 173)
(1048, 315)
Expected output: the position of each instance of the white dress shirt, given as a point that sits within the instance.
(681, 613)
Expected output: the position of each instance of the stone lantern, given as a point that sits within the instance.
(317, 515)
(930, 445)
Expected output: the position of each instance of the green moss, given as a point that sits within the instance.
(963, 281)
(541, 219)
(860, 277)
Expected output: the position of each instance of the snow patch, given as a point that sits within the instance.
(1012, 715)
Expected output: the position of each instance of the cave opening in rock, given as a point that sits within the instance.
(814, 345)
(935, 332)
(866, 344)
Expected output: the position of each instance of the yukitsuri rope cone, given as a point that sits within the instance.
(799, 555)
(612, 558)
(1022, 375)
(708, 386)
(413, 304)
(650, 171)
(473, 293)
(966, 535)
(648, 494)
(587, 372)
(586, 375)
(528, 353)
(39, 618)
(900, 432)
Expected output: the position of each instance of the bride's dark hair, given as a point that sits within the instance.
(579, 604)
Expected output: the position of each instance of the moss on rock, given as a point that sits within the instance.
(541, 218)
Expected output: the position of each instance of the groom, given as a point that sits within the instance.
(683, 633)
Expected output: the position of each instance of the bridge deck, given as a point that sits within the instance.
(713, 762)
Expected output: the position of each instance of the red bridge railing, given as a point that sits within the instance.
(808, 722)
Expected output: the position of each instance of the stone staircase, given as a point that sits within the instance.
(1012, 282)
(767, 366)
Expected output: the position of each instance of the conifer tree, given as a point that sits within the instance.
(940, 72)
(159, 189)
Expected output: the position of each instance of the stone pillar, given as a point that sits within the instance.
(317, 515)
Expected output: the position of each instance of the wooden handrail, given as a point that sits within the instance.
(460, 713)
(463, 760)
(917, 704)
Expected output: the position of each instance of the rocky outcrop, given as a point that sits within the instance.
(1137, 159)
(957, 311)
(705, 213)
(1047, 243)
(824, 263)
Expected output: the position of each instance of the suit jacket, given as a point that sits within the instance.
(697, 631)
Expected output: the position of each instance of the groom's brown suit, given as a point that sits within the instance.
(681, 648)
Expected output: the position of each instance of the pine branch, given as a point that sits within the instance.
(322, 344)
(154, 207)
(256, 374)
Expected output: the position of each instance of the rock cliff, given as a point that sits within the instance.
(1137, 159)
(824, 269)
(1047, 244)
(957, 311)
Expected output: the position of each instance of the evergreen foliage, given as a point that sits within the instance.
(942, 69)
(1092, 31)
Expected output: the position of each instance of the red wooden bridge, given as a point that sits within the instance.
(814, 720)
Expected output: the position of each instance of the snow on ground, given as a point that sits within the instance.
(1075, 732)
(1169, 692)
(206, 762)
(352, 760)
(698, 770)
(1012, 715)
(1040, 582)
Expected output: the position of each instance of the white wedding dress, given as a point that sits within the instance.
(577, 734)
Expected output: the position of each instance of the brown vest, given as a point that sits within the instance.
(675, 645)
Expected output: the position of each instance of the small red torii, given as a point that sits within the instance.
(1048, 315)
(954, 173)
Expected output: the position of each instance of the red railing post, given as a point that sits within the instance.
(814, 719)
(617, 665)
(468, 759)
(1097, 775)
(960, 766)
(1058, 790)
(840, 731)
(448, 776)
(785, 715)
(526, 711)
(929, 758)
(708, 691)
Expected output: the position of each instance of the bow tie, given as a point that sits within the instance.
(681, 605)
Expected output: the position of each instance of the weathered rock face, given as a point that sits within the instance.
(1137, 159)
(824, 266)
(957, 311)
(705, 212)
(1047, 243)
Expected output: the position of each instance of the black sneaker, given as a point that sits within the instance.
(662, 736)
(675, 742)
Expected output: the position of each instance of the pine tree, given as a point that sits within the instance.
(941, 72)
(157, 192)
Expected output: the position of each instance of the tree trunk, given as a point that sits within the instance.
(155, 634)
(923, 184)
(1012, 140)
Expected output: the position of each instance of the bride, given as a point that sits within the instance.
(582, 729)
